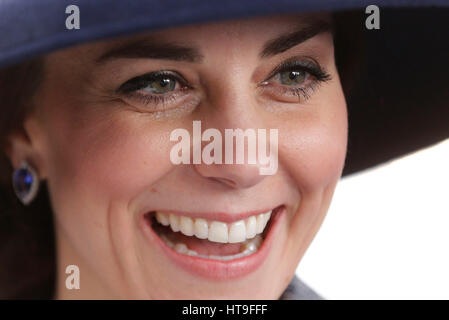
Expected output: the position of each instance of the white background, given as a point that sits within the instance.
(386, 234)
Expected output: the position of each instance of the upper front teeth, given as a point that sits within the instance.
(216, 231)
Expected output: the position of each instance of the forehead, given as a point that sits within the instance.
(263, 26)
(251, 30)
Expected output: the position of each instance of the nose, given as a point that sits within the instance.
(237, 176)
(232, 102)
(234, 108)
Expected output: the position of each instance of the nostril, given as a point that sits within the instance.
(228, 182)
(231, 175)
(225, 181)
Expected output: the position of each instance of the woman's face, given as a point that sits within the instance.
(100, 136)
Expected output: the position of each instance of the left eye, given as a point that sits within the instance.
(293, 78)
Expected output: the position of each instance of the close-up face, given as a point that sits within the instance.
(139, 225)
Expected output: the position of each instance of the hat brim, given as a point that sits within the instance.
(397, 85)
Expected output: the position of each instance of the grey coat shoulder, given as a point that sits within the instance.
(298, 290)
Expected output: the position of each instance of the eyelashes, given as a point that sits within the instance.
(146, 79)
(309, 65)
(309, 72)
(159, 82)
(296, 78)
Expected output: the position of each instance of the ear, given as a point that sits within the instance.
(26, 143)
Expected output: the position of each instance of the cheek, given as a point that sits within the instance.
(315, 146)
(110, 158)
(314, 150)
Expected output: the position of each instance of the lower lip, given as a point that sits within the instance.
(217, 269)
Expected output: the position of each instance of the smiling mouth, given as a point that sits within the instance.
(212, 239)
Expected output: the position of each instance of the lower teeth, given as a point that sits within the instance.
(250, 246)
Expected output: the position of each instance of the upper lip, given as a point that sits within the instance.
(218, 215)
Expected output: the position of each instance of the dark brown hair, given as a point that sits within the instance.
(26, 233)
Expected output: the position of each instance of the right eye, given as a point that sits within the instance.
(162, 85)
(161, 82)
(158, 91)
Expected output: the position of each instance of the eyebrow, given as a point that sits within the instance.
(289, 40)
(151, 49)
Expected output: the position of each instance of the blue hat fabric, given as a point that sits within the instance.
(33, 27)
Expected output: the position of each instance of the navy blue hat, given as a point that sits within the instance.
(396, 86)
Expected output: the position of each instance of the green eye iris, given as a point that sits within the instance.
(160, 85)
(292, 78)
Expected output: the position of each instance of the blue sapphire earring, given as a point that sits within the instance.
(25, 183)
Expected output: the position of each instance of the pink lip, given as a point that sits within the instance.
(215, 269)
